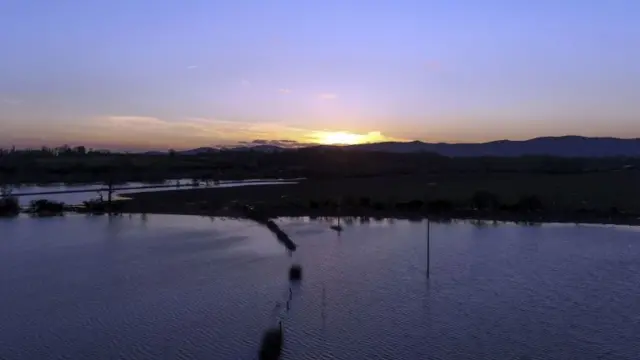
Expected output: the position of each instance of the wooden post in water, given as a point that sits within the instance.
(324, 305)
(428, 247)
(109, 197)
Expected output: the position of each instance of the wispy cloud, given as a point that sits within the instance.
(284, 91)
(197, 127)
(153, 132)
(245, 82)
(328, 96)
(280, 143)
(204, 131)
(134, 132)
(191, 67)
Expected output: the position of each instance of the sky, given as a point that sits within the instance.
(158, 74)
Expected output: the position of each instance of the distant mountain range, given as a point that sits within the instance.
(206, 150)
(564, 146)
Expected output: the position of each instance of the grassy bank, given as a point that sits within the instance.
(596, 197)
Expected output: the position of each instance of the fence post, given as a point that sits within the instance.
(109, 197)
(428, 247)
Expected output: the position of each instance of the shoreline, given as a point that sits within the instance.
(404, 216)
(364, 214)
(274, 213)
(384, 197)
(549, 200)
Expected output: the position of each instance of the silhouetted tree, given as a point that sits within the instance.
(9, 206)
(529, 203)
(440, 206)
(413, 205)
(485, 200)
(81, 150)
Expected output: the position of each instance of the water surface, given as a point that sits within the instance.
(94, 190)
(185, 287)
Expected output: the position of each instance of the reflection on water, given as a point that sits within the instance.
(95, 189)
(204, 288)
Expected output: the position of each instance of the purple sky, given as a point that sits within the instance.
(158, 74)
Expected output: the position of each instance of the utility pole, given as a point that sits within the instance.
(109, 197)
(428, 247)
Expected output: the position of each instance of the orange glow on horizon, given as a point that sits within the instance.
(152, 133)
(340, 138)
(346, 138)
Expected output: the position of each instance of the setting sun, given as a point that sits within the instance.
(340, 138)
(346, 138)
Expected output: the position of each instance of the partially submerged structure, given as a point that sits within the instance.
(271, 346)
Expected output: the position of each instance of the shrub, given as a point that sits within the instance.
(46, 207)
(485, 200)
(331, 204)
(440, 206)
(508, 207)
(413, 205)
(9, 206)
(529, 203)
(379, 206)
(95, 206)
(99, 207)
(349, 201)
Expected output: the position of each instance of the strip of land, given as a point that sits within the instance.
(612, 197)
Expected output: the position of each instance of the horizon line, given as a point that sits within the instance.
(290, 144)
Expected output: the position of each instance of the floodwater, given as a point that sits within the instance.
(180, 287)
(78, 197)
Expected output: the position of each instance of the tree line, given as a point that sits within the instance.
(81, 164)
(45, 151)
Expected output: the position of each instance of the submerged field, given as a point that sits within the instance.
(341, 182)
(188, 287)
(593, 197)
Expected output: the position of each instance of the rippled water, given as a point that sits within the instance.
(184, 287)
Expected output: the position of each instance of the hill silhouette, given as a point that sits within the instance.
(563, 146)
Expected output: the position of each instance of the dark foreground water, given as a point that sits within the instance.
(177, 287)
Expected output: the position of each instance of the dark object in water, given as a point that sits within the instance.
(45, 207)
(295, 273)
(271, 343)
(9, 206)
(263, 219)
